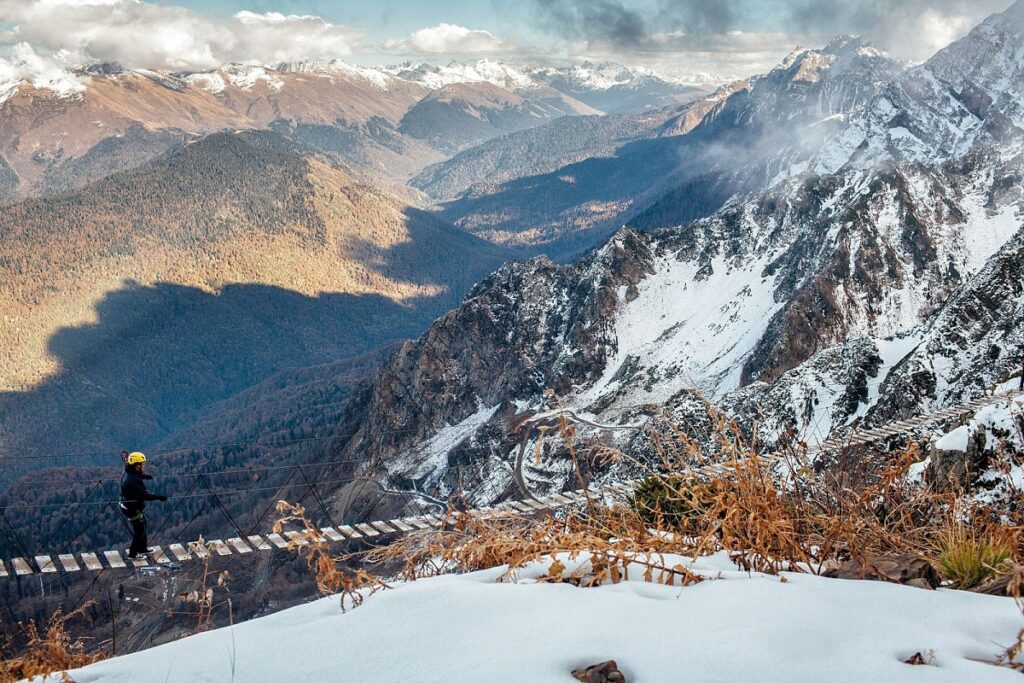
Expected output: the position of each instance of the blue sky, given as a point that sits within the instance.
(717, 39)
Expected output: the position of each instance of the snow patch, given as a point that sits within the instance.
(246, 77)
(691, 327)
(429, 459)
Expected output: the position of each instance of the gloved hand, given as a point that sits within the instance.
(161, 498)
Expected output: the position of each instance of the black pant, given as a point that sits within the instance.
(140, 543)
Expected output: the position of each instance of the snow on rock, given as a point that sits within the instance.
(246, 76)
(431, 456)
(481, 71)
(476, 627)
(991, 429)
(211, 82)
(955, 440)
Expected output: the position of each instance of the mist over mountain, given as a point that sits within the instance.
(746, 135)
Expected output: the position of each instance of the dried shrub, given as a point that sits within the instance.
(53, 651)
(771, 513)
(331, 574)
(610, 542)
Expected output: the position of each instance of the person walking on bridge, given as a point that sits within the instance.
(133, 502)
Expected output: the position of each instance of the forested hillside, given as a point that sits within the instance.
(134, 303)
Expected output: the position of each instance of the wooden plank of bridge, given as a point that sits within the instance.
(200, 550)
(21, 566)
(239, 545)
(158, 555)
(297, 537)
(367, 530)
(259, 543)
(180, 552)
(138, 561)
(220, 547)
(332, 534)
(383, 526)
(401, 525)
(69, 563)
(418, 522)
(349, 531)
(277, 540)
(45, 564)
(3, 570)
(114, 559)
(91, 562)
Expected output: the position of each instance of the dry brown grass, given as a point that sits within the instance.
(330, 572)
(208, 586)
(49, 652)
(770, 513)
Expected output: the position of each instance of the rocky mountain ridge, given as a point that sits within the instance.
(830, 299)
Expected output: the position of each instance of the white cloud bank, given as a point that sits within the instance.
(449, 39)
(138, 34)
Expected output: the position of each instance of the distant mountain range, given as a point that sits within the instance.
(386, 123)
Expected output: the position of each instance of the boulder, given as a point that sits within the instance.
(893, 568)
(605, 672)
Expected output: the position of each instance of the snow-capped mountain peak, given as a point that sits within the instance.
(971, 91)
(481, 71)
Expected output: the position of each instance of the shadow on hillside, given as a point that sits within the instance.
(437, 253)
(159, 354)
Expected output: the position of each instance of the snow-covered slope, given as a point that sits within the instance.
(475, 627)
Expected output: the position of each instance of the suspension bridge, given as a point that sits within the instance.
(245, 544)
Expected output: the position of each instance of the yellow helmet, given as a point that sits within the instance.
(136, 458)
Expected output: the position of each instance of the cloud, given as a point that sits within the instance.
(912, 29)
(45, 72)
(143, 35)
(449, 39)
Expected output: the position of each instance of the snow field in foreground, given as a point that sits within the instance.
(474, 628)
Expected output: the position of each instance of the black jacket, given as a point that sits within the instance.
(133, 491)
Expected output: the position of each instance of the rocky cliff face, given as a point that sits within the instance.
(847, 292)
